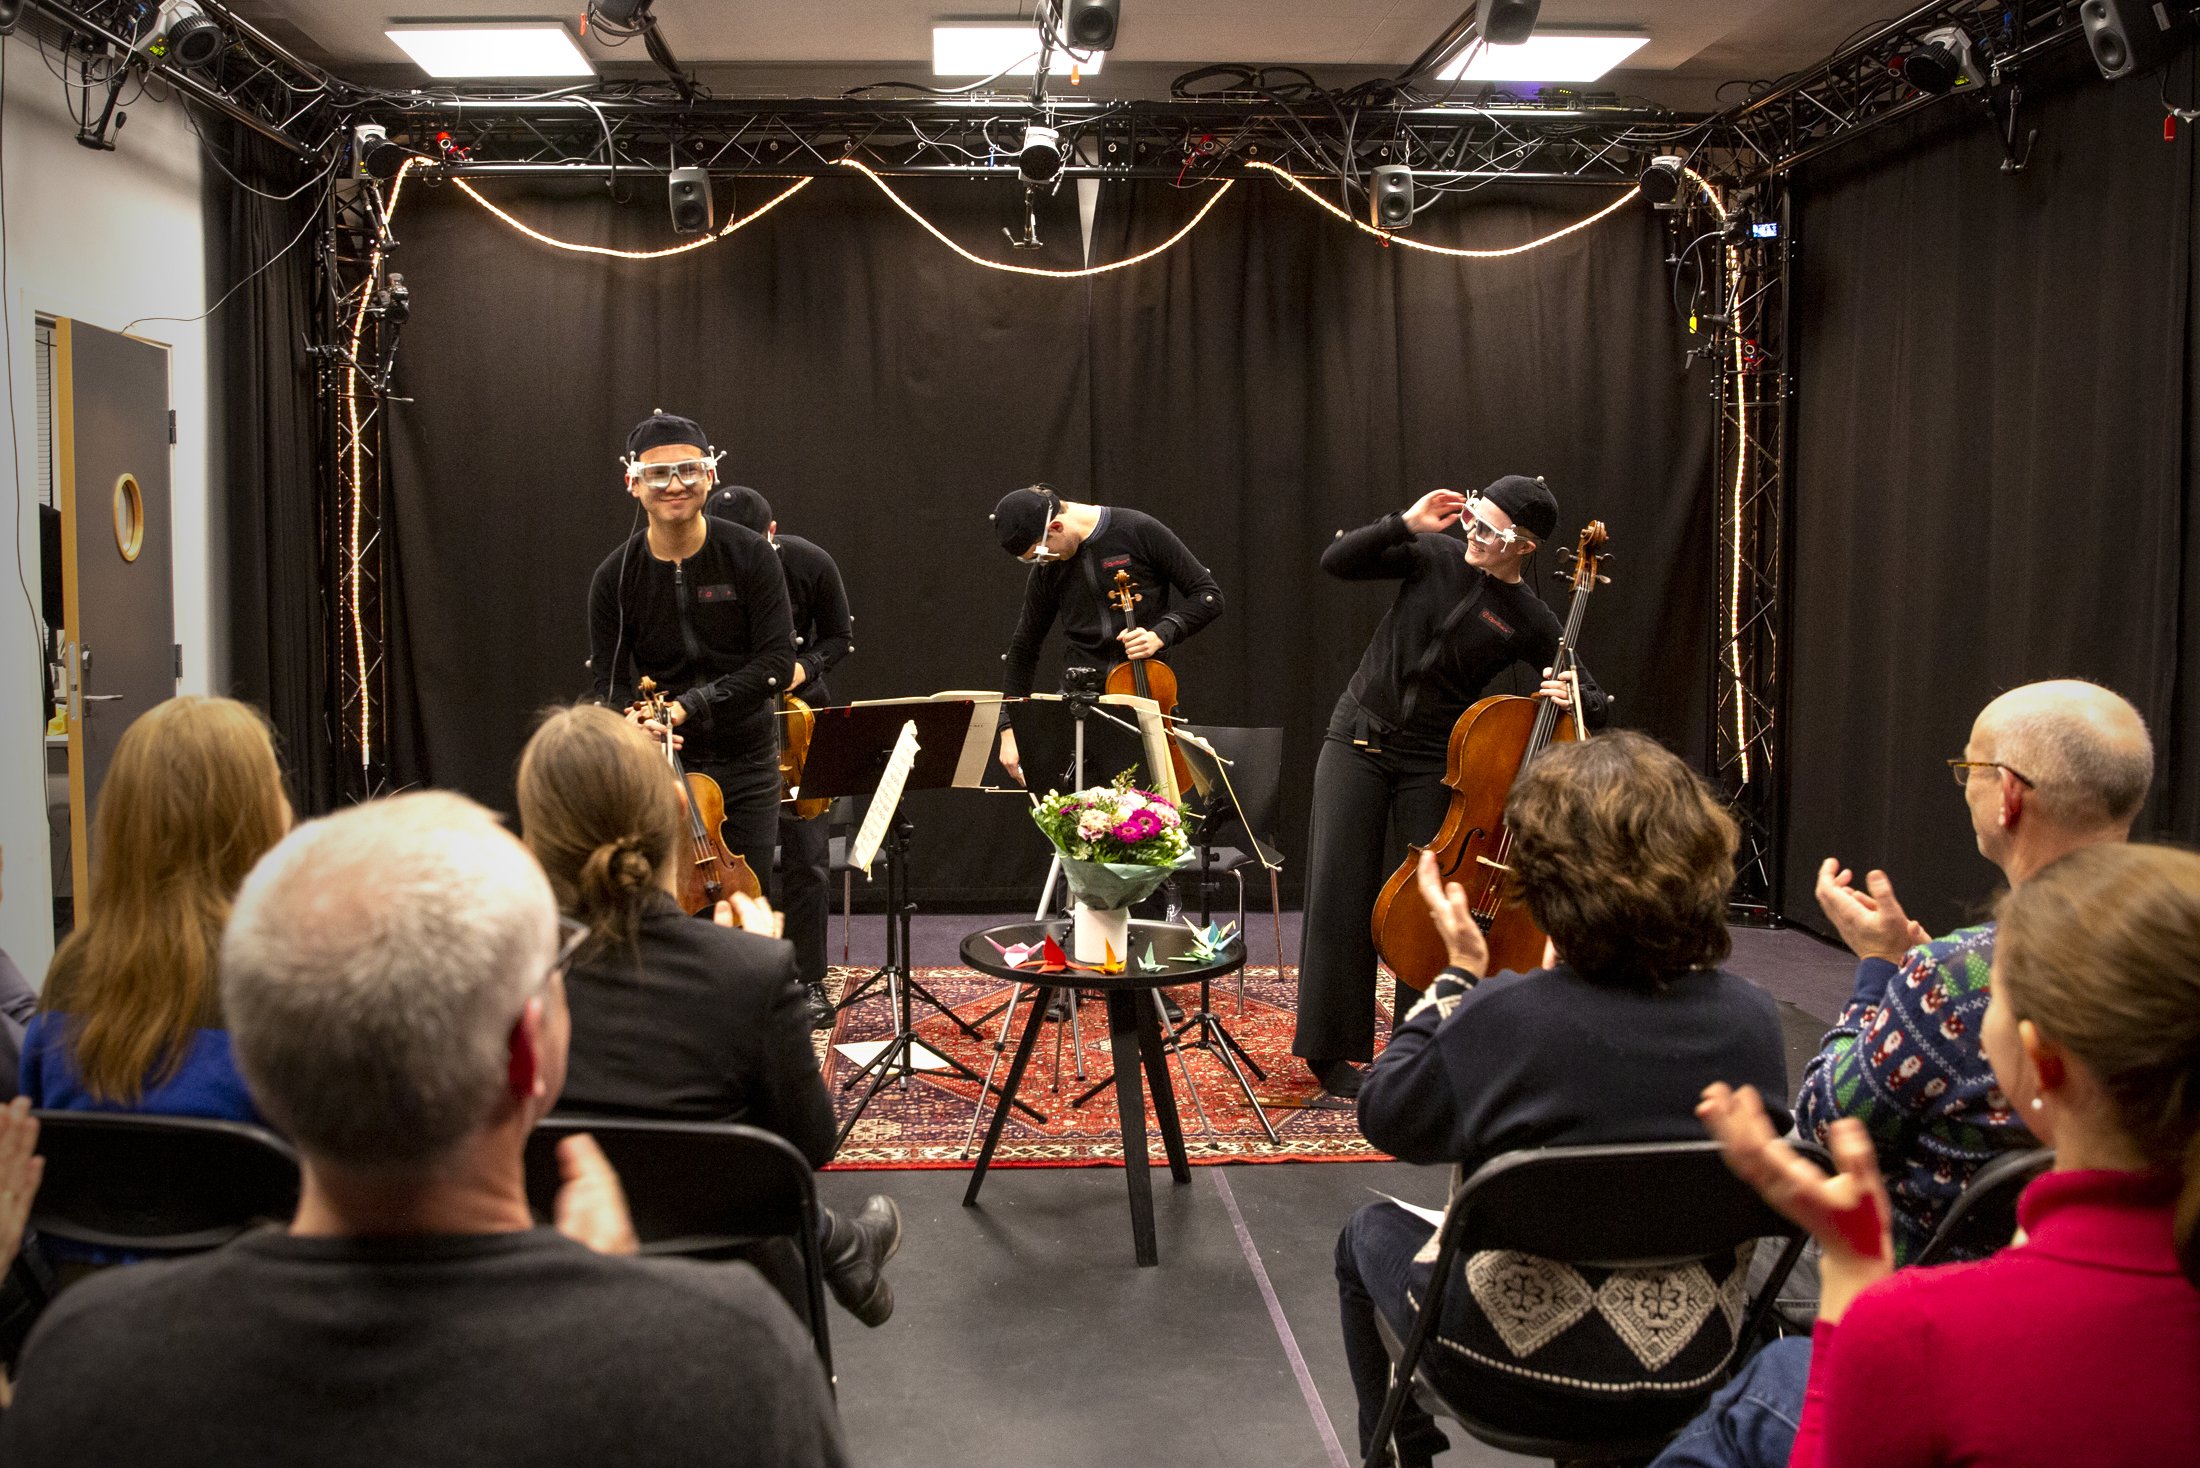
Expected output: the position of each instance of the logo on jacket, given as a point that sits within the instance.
(1495, 621)
(714, 593)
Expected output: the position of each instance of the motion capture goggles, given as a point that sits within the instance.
(1482, 532)
(690, 472)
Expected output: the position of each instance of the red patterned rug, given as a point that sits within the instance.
(928, 1123)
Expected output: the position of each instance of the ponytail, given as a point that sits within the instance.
(601, 814)
(613, 886)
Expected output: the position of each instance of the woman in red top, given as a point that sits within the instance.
(2080, 1344)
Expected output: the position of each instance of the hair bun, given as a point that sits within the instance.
(630, 867)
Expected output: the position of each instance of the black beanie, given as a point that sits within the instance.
(743, 506)
(1529, 502)
(661, 428)
(1020, 519)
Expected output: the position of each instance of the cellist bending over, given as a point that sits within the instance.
(1463, 615)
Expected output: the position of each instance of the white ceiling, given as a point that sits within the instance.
(1700, 41)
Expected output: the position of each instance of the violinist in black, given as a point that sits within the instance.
(699, 606)
(823, 635)
(1074, 551)
(1463, 614)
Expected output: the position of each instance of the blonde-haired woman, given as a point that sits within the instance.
(130, 1016)
(673, 1016)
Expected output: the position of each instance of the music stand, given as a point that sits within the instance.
(851, 747)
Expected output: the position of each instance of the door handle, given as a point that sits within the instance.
(100, 697)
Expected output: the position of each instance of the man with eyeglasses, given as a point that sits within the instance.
(700, 607)
(1464, 613)
(2049, 768)
(1075, 551)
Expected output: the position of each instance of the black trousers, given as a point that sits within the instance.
(805, 863)
(1358, 795)
(751, 789)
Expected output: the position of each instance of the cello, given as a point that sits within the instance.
(1146, 677)
(712, 872)
(1490, 745)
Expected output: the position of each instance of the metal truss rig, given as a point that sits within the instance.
(1861, 87)
(641, 133)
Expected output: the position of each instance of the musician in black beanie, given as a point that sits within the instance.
(1463, 614)
(699, 606)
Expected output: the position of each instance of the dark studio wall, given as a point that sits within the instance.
(1271, 380)
(1994, 467)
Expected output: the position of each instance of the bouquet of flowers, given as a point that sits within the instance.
(1117, 842)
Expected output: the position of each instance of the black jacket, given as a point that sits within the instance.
(824, 630)
(1073, 591)
(1451, 630)
(713, 629)
(697, 1023)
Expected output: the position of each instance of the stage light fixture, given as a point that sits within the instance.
(184, 33)
(1660, 183)
(1945, 61)
(519, 49)
(1090, 25)
(1040, 157)
(1508, 22)
(373, 155)
(688, 190)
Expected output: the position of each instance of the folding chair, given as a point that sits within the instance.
(158, 1184)
(701, 1190)
(1983, 1218)
(1255, 769)
(1559, 1203)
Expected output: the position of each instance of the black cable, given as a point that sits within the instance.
(311, 219)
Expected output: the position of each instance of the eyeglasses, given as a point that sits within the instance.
(690, 472)
(1961, 769)
(1040, 551)
(1482, 532)
(571, 935)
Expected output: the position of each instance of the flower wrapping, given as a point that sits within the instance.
(1117, 842)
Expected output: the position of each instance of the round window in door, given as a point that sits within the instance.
(129, 517)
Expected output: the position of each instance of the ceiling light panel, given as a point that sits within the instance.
(1008, 49)
(1546, 56)
(529, 49)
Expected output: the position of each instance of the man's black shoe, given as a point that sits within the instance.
(1340, 1080)
(1058, 1001)
(821, 1007)
(856, 1250)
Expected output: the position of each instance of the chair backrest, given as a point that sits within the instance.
(1637, 1203)
(699, 1188)
(1256, 775)
(158, 1184)
(1983, 1218)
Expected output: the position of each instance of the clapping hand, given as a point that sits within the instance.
(750, 915)
(1871, 922)
(1455, 924)
(591, 1207)
(1846, 1213)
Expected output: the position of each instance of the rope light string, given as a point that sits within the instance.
(695, 244)
(934, 230)
(1393, 238)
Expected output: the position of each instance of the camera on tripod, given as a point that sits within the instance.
(1082, 686)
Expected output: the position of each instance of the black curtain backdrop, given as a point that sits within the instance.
(1275, 378)
(1993, 469)
(264, 414)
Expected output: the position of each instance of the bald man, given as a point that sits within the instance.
(2049, 767)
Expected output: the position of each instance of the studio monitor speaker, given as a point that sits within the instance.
(1089, 25)
(1508, 22)
(2127, 36)
(1390, 197)
(690, 196)
(11, 11)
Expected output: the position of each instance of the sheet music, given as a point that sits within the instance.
(985, 726)
(884, 801)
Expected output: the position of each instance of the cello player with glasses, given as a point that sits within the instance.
(700, 606)
(1464, 613)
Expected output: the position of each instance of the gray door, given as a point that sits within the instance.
(111, 442)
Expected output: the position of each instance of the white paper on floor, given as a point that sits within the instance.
(863, 1052)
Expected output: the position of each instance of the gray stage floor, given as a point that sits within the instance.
(1025, 1334)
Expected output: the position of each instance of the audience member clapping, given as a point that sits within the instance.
(18, 1002)
(394, 979)
(2049, 768)
(1624, 857)
(130, 1017)
(2077, 1345)
(674, 1017)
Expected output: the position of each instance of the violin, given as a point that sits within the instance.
(1490, 745)
(1146, 677)
(712, 873)
(796, 723)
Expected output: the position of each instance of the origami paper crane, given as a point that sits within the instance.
(1147, 963)
(1052, 959)
(1015, 955)
(1207, 942)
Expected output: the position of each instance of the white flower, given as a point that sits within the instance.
(1093, 824)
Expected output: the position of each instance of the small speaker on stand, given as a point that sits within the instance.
(689, 193)
(2128, 36)
(1390, 197)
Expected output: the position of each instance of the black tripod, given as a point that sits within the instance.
(898, 1060)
